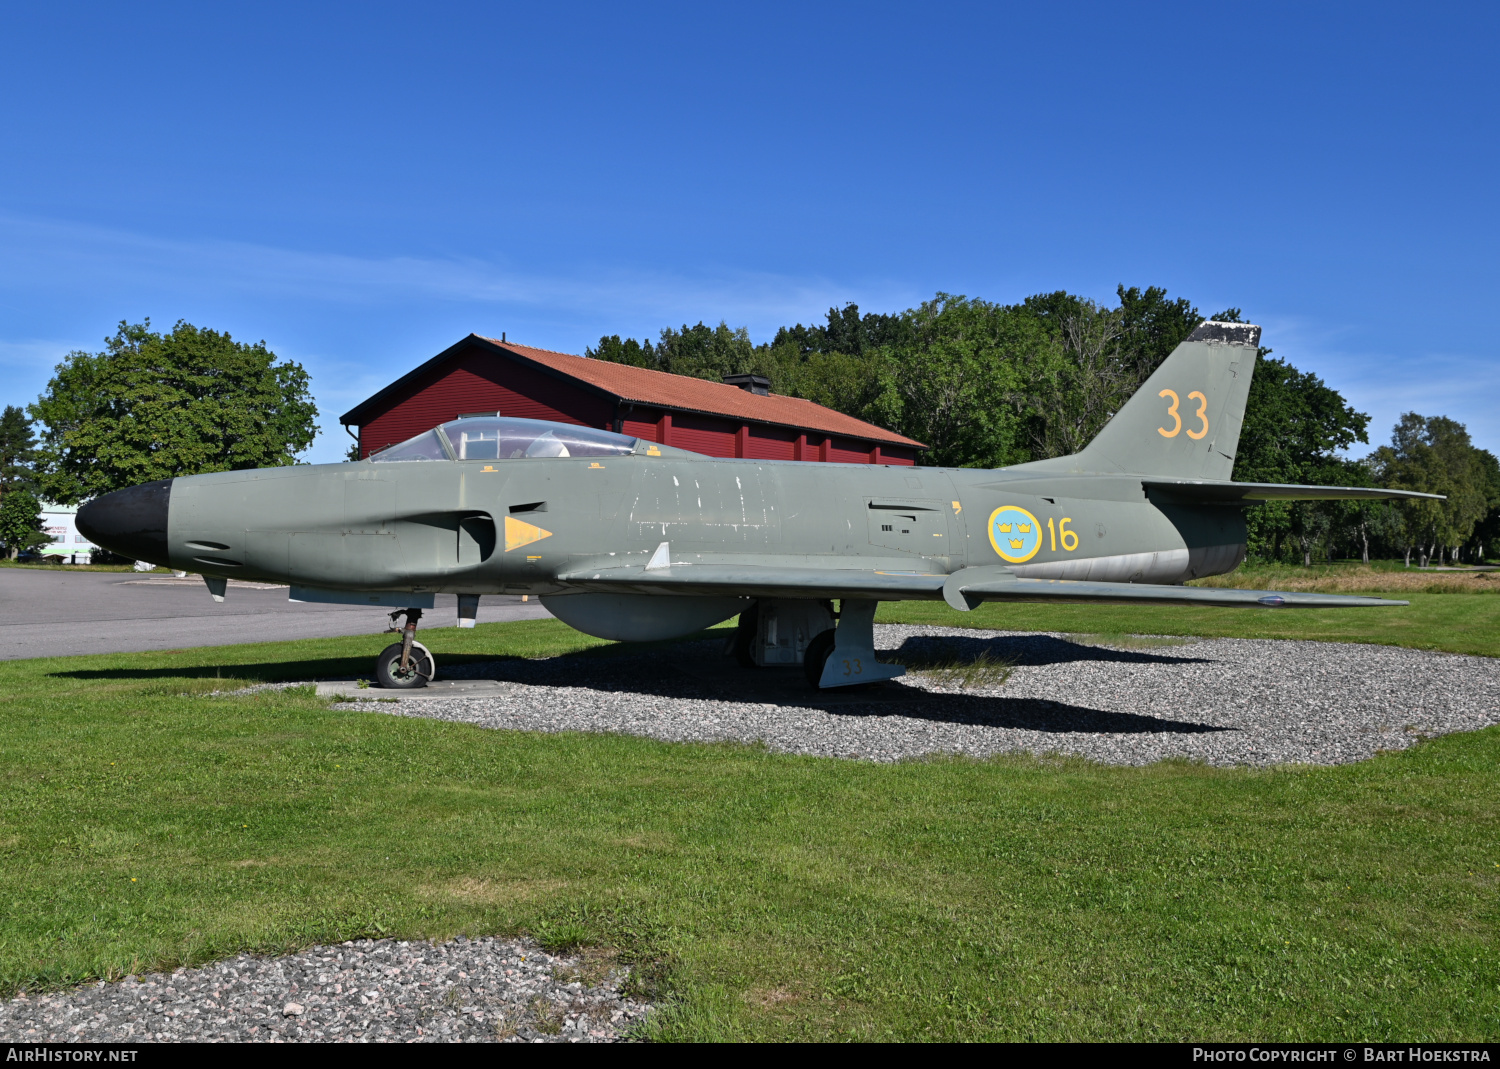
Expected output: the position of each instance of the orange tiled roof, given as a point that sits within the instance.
(650, 387)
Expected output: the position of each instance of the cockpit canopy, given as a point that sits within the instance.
(507, 438)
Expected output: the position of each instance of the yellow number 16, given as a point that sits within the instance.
(1062, 532)
(1202, 415)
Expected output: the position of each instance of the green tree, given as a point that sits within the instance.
(1100, 357)
(1487, 530)
(1435, 455)
(21, 522)
(843, 382)
(1385, 525)
(17, 451)
(954, 381)
(155, 406)
(1295, 426)
(846, 332)
(704, 352)
(844, 364)
(632, 352)
(987, 385)
(1154, 325)
(1370, 523)
(1073, 387)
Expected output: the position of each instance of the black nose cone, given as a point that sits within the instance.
(131, 522)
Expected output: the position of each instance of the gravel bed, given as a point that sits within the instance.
(464, 991)
(1220, 701)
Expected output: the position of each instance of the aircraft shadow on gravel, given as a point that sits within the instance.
(1029, 651)
(1025, 714)
(702, 671)
(885, 699)
(716, 678)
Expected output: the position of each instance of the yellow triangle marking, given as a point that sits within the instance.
(519, 533)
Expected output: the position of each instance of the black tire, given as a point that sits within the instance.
(419, 668)
(816, 657)
(743, 649)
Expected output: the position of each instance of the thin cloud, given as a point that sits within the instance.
(28, 353)
(61, 255)
(1385, 384)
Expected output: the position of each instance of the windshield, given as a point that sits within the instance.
(503, 438)
(425, 446)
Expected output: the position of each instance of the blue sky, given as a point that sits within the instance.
(362, 185)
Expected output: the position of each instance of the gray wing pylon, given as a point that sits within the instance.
(963, 590)
(1220, 490)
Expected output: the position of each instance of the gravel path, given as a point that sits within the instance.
(1221, 701)
(468, 990)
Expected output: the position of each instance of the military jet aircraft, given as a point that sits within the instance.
(630, 540)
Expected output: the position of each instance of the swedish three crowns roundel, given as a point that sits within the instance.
(1015, 534)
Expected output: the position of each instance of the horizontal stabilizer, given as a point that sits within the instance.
(1223, 490)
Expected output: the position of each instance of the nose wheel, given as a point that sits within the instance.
(407, 664)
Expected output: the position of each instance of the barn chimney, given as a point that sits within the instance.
(756, 384)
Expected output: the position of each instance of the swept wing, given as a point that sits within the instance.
(963, 589)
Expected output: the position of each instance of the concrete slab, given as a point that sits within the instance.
(438, 688)
(54, 612)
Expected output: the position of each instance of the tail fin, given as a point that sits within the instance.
(1184, 422)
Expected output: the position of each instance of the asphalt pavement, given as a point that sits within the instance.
(59, 612)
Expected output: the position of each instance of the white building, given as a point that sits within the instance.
(60, 524)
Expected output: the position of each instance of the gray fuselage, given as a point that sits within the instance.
(513, 526)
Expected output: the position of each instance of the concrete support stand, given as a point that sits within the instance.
(468, 609)
(853, 658)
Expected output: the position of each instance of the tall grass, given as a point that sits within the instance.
(1378, 577)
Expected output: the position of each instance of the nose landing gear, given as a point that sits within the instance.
(406, 664)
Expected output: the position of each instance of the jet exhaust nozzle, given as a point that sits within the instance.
(131, 522)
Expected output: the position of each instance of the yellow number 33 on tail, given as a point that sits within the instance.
(1202, 415)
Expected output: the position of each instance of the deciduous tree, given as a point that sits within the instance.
(704, 352)
(1434, 455)
(1295, 427)
(21, 522)
(632, 352)
(956, 381)
(155, 406)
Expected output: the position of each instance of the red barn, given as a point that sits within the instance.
(735, 418)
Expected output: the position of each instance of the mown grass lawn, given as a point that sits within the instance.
(144, 822)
